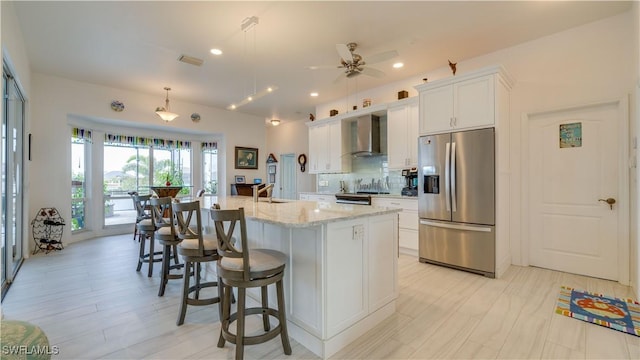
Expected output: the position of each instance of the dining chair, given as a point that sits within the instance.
(141, 214)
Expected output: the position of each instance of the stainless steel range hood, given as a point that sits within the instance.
(367, 136)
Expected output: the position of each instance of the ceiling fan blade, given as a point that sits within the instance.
(344, 52)
(373, 72)
(322, 67)
(339, 78)
(380, 57)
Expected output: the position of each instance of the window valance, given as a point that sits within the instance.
(82, 134)
(140, 141)
(209, 146)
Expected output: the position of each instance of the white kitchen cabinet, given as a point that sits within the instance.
(402, 134)
(457, 103)
(407, 221)
(328, 146)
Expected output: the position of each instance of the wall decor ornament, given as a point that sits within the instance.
(117, 106)
(302, 161)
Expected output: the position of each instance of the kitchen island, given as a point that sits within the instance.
(341, 277)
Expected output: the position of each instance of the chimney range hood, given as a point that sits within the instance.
(367, 136)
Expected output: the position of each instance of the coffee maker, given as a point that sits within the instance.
(411, 182)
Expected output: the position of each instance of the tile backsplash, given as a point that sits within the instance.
(367, 173)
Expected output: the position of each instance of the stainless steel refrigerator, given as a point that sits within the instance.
(456, 200)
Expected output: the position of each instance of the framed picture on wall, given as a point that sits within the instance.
(246, 158)
(240, 179)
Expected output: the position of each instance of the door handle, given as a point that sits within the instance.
(609, 201)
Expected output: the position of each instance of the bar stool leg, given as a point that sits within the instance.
(197, 280)
(265, 305)
(185, 293)
(152, 255)
(164, 274)
(175, 255)
(282, 317)
(141, 256)
(225, 303)
(240, 327)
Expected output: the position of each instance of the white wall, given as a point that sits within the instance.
(635, 130)
(581, 65)
(292, 138)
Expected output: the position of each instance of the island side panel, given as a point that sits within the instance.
(383, 260)
(346, 275)
(303, 275)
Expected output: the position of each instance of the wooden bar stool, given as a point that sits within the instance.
(195, 249)
(146, 230)
(162, 219)
(243, 268)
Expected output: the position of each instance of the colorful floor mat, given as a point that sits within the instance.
(618, 314)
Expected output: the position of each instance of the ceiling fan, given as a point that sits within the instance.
(354, 65)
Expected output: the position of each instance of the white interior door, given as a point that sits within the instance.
(574, 162)
(288, 181)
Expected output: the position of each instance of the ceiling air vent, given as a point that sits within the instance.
(190, 60)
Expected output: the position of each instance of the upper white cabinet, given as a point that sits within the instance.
(402, 134)
(329, 147)
(464, 102)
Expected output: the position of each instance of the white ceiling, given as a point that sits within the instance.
(135, 45)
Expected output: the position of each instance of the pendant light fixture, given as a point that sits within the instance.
(249, 24)
(164, 112)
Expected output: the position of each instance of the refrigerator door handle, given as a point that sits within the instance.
(447, 176)
(455, 226)
(454, 199)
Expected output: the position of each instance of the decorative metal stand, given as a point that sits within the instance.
(47, 230)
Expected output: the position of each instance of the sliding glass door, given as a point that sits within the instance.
(11, 155)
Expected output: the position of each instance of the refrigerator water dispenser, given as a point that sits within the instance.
(432, 184)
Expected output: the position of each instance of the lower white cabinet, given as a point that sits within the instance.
(407, 221)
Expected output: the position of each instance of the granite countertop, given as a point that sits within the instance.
(295, 213)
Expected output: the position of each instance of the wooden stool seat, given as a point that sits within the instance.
(245, 268)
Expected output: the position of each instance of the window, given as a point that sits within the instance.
(210, 168)
(12, 160)
(80, 142)
(172, 167)
(136, 163)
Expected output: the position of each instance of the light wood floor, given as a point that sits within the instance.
(93, 304)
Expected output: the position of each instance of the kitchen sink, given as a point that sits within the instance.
(273, 201)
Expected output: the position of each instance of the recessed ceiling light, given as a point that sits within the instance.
(398, 65)
(216, 51)
(314, 94)
(275, 122)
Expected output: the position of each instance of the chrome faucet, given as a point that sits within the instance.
(256, 192)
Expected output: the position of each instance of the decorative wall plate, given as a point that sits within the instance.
(195, 117)
(117, 106)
